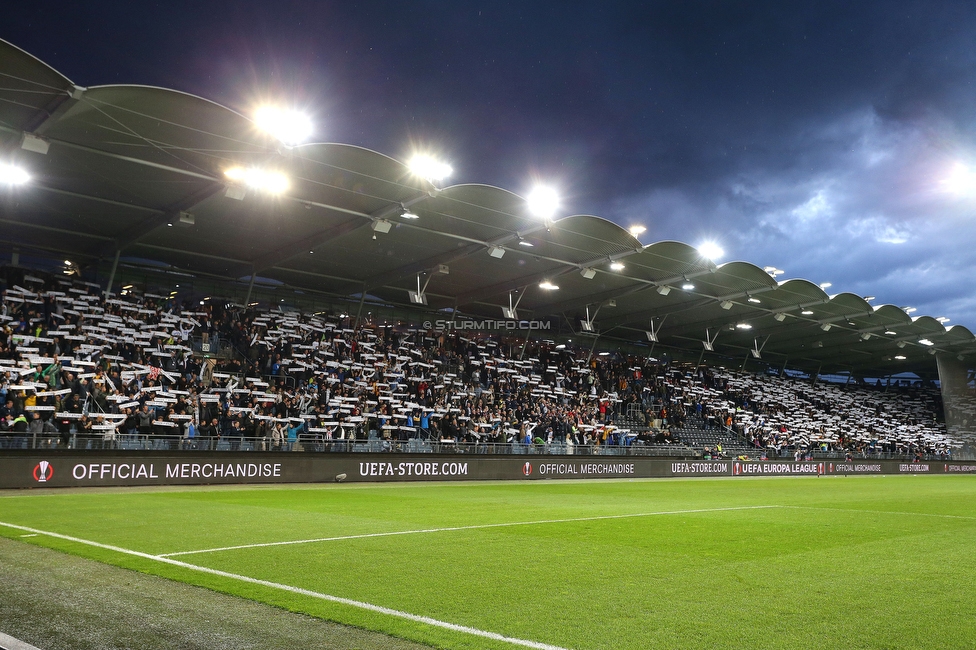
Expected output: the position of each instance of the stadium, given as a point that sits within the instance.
(314, 388)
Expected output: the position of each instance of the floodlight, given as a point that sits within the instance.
(417, 298)
(496, 251)
(429, 168)
(710, 251)
(12, 175)
(900, 357)
(651, 336)
(900, 344)
(780, 317)
(637, 230)
(617, 266)
(807, 312)
(261, 179)
(891, 332)
(586, 326)
(925, 342)
(509, 313)
(409, 215)
(547, 286)
(743, 326)
(726, 304)
(865, 336)
(825, 327)
(663, 289)
(688, 286)
(754, 301)
(526, 243)
(825, 285)
(588, 273)
(543, 201)
(289, 126)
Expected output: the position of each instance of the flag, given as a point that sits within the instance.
(154, 373)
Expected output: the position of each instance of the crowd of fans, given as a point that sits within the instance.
(81, 370)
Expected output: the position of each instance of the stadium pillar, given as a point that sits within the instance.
(111, 275)
(250, 287)
(359, 312)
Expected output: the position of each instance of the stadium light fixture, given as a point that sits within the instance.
(773, 271)
(545, 285)
(688, 286)
(926, 342)
(617, 266)
(900, 357)
(779, 316)
(726, 304)
(663, 289)
(754, 301)
(288, 126)
(891, 333)
(637, 230)
(496, 251)
(942, 319)
(408, 215)
(543, 201)
(271, 182)
(588, 273)
(825, 285)
(12, 174)
(429, 168)
(743, 326)
(807, 312)
(710, 251)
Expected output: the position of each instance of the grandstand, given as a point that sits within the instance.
(82, 371)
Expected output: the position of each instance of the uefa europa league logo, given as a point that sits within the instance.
(43, 471)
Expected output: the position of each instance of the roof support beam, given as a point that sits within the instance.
(55, 109)
(289, 251)
(164, 217)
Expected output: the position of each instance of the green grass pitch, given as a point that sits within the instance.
(866, 562)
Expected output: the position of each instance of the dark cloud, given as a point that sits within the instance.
(814, 138)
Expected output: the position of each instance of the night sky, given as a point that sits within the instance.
(831, 140)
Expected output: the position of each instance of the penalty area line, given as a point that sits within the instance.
(457, 528)
(426, 620)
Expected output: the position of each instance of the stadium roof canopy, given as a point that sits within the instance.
(114, 167)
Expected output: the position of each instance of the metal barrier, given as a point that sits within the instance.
(314, 443)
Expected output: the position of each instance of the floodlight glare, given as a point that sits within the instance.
(637, 230)
(260, 179)
(743, 326)
(617, 266)
(688, 286)
(543, 201)
(900, 357)
(961, 180)
(12, 175)
(429, 168)
(288, 126)
(710, 251)
(807, 312)
(547, 286)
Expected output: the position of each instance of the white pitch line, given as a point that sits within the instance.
(298, 590)
(456, 528)
(884, 512)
